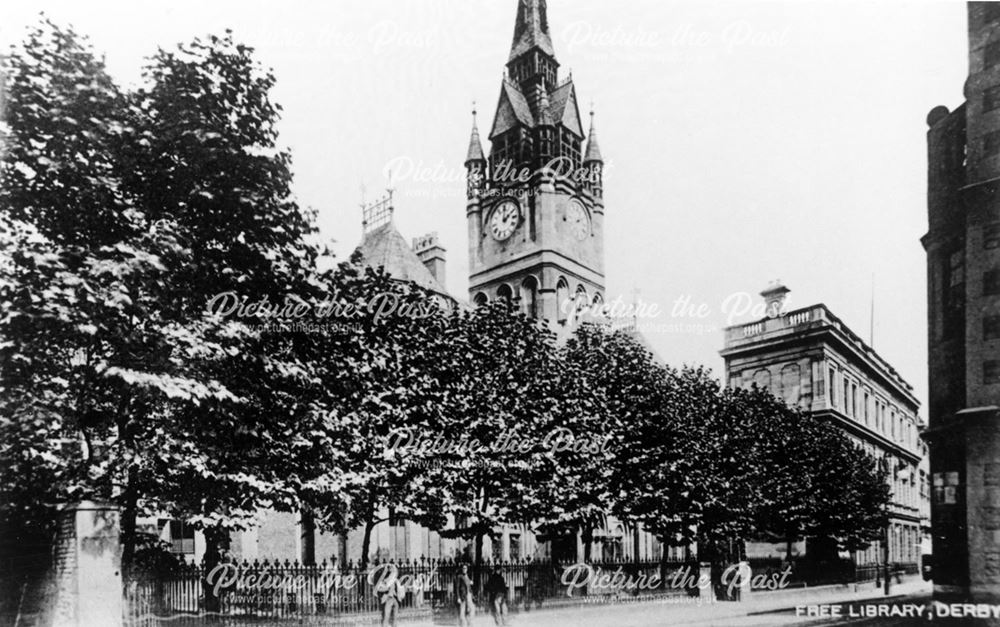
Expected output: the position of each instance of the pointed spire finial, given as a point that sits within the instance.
(475, 152)
(531, 29)
(593, 148)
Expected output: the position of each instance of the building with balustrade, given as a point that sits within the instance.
(813, 361)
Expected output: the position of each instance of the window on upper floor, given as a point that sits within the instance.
(867, 400)
(991, 282)
(991, 372)
(991, 144)
(832, 383)
(991, 236)
(991, 11)
(956, 268)
(953, 297)
(991, 54)
(991, 98)
(991, 327)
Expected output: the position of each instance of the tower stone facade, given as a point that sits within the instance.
(535, 206)
(963, 297)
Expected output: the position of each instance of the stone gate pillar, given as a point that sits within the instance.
(88, 567)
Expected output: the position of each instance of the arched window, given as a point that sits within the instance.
(480, 299)
(790, 384)
(529, 297)
(597, 306)
(762, 379)
(581, 300)
(505, 293)
(562, 298)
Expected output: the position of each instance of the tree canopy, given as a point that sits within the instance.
(124, 215)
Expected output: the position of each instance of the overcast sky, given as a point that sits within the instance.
(745, 141)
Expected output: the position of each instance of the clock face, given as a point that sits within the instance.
(579, 222)
(504, 219)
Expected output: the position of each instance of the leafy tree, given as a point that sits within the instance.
(501, 385)
(381, 388)
(125, 215)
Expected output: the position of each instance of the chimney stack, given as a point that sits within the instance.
(774, 298)
(431, 254)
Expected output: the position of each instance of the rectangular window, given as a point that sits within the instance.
(991, 98)
(991, 11)
(991, 143)
(991, 54)
(833, 387)
(991, 282)
(181, 537)
(854, 400)
(991, 236)
(991, 372)
(953, 296)
(991, 327)
(866, 407)
(956, 268)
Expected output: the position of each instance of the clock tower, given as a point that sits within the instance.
(535, 206)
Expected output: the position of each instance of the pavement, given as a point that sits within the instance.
(761, 609)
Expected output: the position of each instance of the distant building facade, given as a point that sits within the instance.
(963, 297)
(813, 361)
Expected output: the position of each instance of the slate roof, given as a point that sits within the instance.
(531, 29)
(512, 109)
(559, 99)
(385, 247)
(593, 148)
(475, 147)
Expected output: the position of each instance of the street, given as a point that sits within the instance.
(765, 609)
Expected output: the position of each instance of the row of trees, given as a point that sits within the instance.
(123, 213)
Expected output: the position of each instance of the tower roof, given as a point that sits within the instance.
(475, 152)
(385, 247)
(593, 148)
(512, 109)
(531, 29)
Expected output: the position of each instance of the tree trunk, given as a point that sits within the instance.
(588, 542)
(215, 539)
(366, 543)
(130, 512)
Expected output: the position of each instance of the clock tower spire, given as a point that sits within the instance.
(536, 218)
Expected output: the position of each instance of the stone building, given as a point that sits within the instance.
(963, 297)
(535, 206)
(813, 361)
(535, 214)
